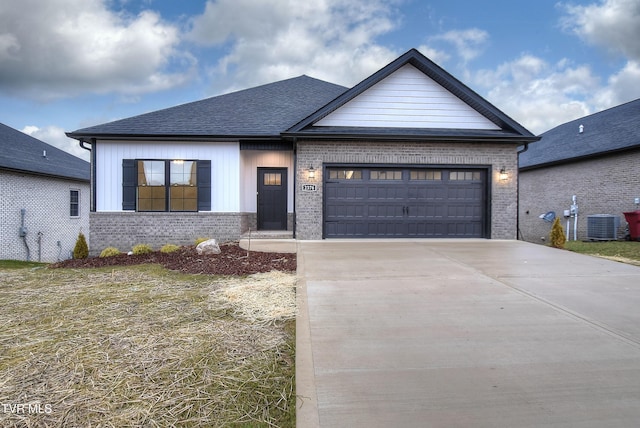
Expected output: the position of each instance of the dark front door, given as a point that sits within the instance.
(272, 198)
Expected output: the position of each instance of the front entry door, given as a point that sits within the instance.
(272, 198)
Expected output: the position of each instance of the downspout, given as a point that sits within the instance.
(92, 180)
(295, 182)
(526, 147)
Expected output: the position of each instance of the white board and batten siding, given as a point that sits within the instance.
(225, 167)
(407, 99)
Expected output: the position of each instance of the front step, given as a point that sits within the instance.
(272, 241)
(268, 234)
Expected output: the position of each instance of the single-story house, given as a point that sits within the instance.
(408, 152)
(45, 198)
(596, 159)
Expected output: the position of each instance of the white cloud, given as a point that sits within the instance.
(332, 40)
(612, 24)
(621, 87)
(469, 43)
(58, 48)
(539, 95)
(56, 137)
(435, 55)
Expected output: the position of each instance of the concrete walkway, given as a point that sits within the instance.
(465, 333)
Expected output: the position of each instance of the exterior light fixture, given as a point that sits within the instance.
(312, 172)
(503, 175)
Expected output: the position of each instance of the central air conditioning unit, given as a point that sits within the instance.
(602, 227)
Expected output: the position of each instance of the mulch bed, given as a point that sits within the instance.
(232, 260)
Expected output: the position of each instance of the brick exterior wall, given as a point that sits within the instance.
(503, 206)
(123, 230)
(606, 185)
(51, 232)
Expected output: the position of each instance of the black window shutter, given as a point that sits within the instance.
(129, 184)
(204, 185)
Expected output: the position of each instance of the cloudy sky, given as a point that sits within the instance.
(68, 64)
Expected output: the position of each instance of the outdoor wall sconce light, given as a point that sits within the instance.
(312, 172)
(503, 175)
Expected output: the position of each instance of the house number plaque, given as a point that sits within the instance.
(309, 187)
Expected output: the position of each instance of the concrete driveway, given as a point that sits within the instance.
(465, 333)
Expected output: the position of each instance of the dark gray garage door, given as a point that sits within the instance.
(363, 202)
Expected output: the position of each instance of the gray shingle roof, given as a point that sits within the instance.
(21, 152)
(612, 130)
(262, 111)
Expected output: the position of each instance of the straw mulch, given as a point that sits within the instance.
(145, 347)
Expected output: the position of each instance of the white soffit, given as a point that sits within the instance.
(407, 99)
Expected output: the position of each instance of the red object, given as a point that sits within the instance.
(633, 218)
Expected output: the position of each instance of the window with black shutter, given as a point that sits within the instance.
(166, 185)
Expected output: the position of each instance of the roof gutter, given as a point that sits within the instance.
(526, 147)
(164, 137)
(82, 144)
(401, 138)
(43, 174)
(580, 158)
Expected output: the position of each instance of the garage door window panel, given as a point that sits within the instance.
(345, 174)
(377, 174)
(425, 175)
(465, 176)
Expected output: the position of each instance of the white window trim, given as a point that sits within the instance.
(73, 189)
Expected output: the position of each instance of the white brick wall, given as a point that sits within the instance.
(46, 201)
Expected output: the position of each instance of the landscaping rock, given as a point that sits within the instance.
(209, 246)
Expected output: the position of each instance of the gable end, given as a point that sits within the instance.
(407, 99)
(498, 125)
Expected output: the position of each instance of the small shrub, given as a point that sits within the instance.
(557, 237)
(200, 240)
(81, 250)
(142, 249)
(109, 252)
(169, 248)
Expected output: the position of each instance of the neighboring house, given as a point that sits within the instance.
(45, 199)
(408, 152)
(596, 158)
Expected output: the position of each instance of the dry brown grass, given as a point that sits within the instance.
(140, 346)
